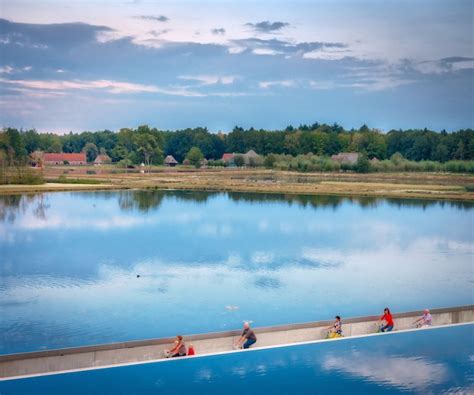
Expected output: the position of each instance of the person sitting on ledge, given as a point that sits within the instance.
(386, 321)
(179, 348)
(425, 320)
(248, 335)
(335, 330)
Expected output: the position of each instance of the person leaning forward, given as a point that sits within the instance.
(247, 338)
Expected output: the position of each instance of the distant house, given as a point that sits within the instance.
(228, 158)
(170, 161)
(251, 158)
(204, 163)
(62, 158)
(346, 157)
(102, 160)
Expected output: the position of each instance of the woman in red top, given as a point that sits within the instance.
(386, 321)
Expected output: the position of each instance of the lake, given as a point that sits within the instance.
(87, 268)
(425, 362)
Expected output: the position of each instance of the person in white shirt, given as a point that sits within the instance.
(425, 320)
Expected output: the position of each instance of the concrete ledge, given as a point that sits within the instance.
(216, 335)
(77, 358)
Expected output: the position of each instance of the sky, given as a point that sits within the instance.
(93, 65)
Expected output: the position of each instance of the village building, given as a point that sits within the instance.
(75, 159)
(251, 158)
(102, 159)
(346, 157)
(228, 158)
(170, 161)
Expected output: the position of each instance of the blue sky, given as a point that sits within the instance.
(89, 65)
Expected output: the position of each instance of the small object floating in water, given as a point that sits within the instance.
(138, 276)
(232, 308)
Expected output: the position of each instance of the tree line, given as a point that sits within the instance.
(151, 145)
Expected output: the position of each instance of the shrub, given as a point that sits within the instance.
(20, 175)
(363, 164)
(217, 163)
(239, 160)
(256, 162)
(91, 172)
(195, 156)
(269, 161)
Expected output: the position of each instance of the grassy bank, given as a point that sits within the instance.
(396, 185)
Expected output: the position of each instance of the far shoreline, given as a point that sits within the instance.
(432, 186)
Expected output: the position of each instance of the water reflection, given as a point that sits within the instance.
(12, 205)
(280, 259)
(411, 373)
(148, 200)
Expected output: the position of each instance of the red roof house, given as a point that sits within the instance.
(60, 159)
(228, 157)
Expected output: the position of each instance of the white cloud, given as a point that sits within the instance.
(463, 65)
(236, 50)
(210, 79)
(323, 258)
(266, 51)
(280, 83)
(55, 222)
(262, 257)
(9, 70)
(441, 67)
(328, 53)
(6, 69)
(110, 86)
(322, 85)
(379, 84)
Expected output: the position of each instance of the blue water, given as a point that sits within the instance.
(426, 362)
(207, 261)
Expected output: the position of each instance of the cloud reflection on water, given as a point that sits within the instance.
(280, 259)
(408, 373)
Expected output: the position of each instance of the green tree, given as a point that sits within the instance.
(148, 149)
(91, 151)
(397, 158)
(239, 160)
(459, 154)
(269, 161)
(441, 153)
(195, 156)
(363, 164)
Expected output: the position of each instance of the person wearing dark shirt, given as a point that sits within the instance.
(386, 321)
(247, 336)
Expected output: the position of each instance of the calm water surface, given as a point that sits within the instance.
(426, 362)
(208, 261)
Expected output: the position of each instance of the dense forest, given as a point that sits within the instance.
(150, 145)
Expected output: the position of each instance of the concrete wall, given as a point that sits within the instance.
(54, 361)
